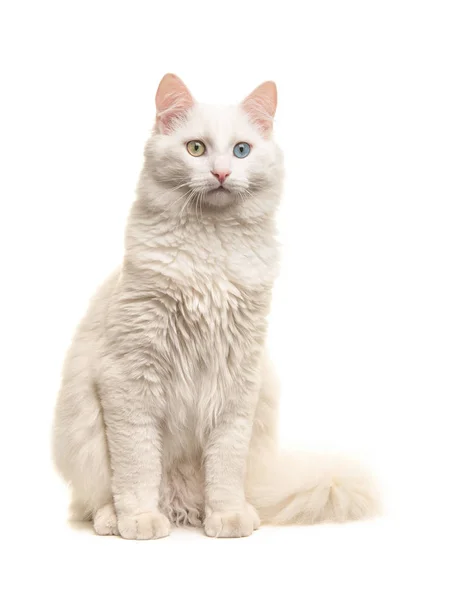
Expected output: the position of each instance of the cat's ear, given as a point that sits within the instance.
(261, 105)
(173, 100)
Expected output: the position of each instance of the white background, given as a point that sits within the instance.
(360, 327)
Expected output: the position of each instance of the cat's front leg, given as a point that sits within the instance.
(132, 413)
(228, 514)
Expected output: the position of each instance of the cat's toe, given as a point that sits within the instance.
(232, 524)
(145, 526)
(105, 521)
(255, 517)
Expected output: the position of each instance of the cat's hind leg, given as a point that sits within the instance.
(105, 520)
(80, 448)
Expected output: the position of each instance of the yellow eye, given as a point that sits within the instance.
(196, 148)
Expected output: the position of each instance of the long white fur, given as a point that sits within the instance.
(168, 405)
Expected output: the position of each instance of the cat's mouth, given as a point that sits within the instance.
(220, 189)
(219, 196)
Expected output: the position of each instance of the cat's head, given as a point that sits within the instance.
(214, 156)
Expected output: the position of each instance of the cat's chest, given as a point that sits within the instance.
(199, 255)
(220, 292)
(201, 322)
(200, 301)
(214, 338)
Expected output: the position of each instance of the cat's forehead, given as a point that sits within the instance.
(221, 124)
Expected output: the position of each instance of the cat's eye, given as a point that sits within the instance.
(241, 150)
(196, 147)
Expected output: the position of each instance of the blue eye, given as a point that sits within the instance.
(241, 150)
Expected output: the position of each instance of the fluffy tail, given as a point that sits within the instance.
(307, 489)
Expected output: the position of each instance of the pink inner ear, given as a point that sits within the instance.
(173, 100)
(261, 105)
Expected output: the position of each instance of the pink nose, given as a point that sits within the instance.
(221, 175)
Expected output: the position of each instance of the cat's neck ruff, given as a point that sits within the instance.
(192, 247)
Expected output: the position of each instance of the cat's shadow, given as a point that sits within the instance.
(86, 526)
(81, 525)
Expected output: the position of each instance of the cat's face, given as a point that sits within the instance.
(210, 155)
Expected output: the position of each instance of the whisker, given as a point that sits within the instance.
(175, 201)
(191, 195)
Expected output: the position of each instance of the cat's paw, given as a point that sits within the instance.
(145, 526)
(231, 524)
(105, 521)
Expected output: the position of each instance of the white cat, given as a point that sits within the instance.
(168, 406)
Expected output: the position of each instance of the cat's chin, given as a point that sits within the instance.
(219, 197)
